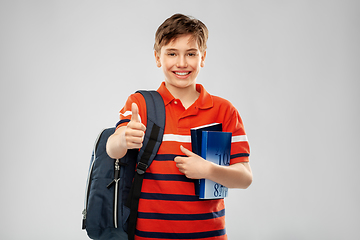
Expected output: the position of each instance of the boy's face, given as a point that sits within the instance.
(181, 61)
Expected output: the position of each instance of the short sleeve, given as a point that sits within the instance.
(125, 113)
(240, 149)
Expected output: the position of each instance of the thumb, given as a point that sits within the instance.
(135, 113)
(186, 151)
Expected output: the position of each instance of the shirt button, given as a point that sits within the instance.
(175, 102)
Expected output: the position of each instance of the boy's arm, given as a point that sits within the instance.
(126, 137)
(237, 175)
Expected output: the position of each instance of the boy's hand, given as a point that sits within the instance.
(193, 166)
(135, 130)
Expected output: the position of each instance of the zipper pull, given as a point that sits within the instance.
(116, 174)
(117, 170)
(84, 219)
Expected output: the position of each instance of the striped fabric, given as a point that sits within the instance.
(168, 207)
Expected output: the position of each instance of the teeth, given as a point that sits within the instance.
(182, 73)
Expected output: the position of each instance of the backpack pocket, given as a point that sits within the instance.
(100, 208)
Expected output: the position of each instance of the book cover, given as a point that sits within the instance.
(196, 135)
(216, 147)
(196, 139)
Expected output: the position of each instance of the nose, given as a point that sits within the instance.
(181, 63)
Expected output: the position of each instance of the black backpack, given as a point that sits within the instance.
(114, 185)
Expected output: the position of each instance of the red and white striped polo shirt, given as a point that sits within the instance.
(168, 207)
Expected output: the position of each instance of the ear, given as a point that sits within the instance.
(203, 56)
(157, 59)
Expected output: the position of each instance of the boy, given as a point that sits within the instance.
(168, 207)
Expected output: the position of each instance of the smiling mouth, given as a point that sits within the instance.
(182, 73)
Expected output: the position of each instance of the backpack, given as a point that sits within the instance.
(114, 185)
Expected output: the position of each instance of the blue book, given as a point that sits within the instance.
(196, 139)
(196, 135)
(215, 147)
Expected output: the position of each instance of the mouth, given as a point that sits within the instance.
(181, 73)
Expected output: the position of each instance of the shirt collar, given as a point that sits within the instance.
(203, 102)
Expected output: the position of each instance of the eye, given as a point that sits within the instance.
(192, 54)
(171, 54)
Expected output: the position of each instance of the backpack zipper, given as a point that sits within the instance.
(116, 191)
(116, 179)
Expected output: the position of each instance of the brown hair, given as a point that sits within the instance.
(179, 24)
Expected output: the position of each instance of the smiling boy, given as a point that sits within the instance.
(168, 207)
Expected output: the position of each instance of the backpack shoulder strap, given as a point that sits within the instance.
(155, 127)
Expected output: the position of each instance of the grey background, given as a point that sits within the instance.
(290, 67)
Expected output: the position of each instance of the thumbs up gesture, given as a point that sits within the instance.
(135, 130)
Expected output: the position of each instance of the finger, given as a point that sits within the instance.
(178, 160)
(137, 126)
(135, 113)
(178, 163)
(134, 145)
(134, 139)
(186, 151)
(137, 133)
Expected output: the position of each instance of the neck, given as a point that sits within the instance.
(187, 95)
